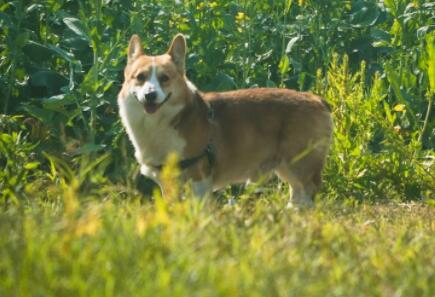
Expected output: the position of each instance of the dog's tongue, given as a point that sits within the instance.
(151, 107)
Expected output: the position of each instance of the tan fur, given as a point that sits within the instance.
(253, 131)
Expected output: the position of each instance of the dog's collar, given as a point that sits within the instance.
(208, 152)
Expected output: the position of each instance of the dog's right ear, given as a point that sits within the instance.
(177, 51)
(134, 48)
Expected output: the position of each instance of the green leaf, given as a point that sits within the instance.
(39, 52)
(222, 82)
(291, 43)
(89, 148)
(31, 165)
(390, 116)
(58, 102)
(270, 84)
(288, 6)
(265, 56)
(41, 114)
(62, 53)
(364, 14)
(391, 5)
(91, 82)
(6, 19)
(394, 81)
(53, 81)
(380, 35)
(284, 65)
(77, 27)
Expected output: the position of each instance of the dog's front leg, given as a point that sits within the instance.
(150, 173)
(202, 188)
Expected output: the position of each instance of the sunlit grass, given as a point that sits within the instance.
(203, 248)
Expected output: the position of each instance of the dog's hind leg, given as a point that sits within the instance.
(304, 183)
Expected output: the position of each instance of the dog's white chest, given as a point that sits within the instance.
(151, 134)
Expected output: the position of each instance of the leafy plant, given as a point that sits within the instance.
(61, 66)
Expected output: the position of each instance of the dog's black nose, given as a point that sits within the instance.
(151, 96)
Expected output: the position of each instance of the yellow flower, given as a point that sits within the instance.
(399, 108)
(213, 4)
(240, 17)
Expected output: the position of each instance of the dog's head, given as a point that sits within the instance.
(156, 80)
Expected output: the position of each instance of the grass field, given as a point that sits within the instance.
(77, 219)
(190, 248)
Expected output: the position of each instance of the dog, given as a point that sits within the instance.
(221, 138)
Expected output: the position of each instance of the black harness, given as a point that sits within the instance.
(208, 152)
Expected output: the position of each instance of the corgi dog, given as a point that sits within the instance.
(221, 138)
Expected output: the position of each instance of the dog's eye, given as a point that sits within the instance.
(164, 78)
(141, 77)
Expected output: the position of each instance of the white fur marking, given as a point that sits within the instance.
(191, 86)
(151, 85)
(152, 135)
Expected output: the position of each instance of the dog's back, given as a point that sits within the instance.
(258, 130)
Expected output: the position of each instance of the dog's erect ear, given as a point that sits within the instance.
(134, 48)
(177, 51)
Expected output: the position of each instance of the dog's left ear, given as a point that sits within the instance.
(177, 51)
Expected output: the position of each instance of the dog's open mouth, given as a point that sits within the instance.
(152, 107)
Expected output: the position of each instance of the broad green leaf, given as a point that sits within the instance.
(39, 52)
(77, 27)
(36, 51)
(58, 102)
(51, 80)
(224, 82)
(42, 114)
(380, 35)
(364, 14)
(62, 53)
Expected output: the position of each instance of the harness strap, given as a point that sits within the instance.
(208, 152)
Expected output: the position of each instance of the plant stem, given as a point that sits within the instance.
(426, 118)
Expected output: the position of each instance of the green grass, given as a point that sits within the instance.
(254, 247)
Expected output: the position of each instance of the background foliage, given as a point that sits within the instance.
(61, 68)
